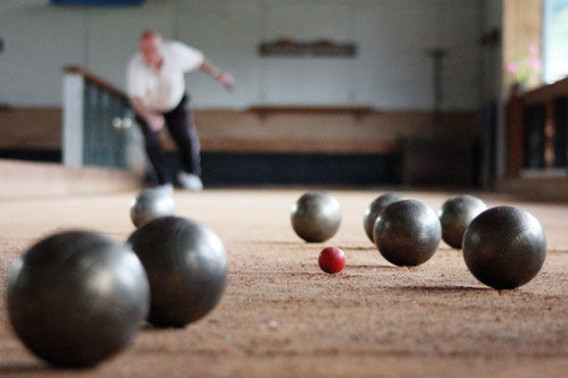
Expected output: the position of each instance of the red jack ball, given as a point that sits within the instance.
(332, 260)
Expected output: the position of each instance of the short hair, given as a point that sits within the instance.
(150, 34)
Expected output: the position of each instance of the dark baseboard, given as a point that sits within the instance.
(300, 168)
(257, 169)
(338, 169)
(46, 156)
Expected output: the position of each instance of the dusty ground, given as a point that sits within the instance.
(282, 316)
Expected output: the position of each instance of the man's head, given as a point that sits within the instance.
(150, 45)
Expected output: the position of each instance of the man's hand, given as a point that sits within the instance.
(224, 78)
(227, 80)
(155, 121)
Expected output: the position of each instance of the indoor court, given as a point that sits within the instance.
(281, 315)
(237, 109)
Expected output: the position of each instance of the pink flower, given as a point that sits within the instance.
(535, 63)
(528, 67)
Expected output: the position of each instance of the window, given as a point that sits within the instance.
(555, 40)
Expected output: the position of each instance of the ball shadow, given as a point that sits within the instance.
(373, 266)
(149, 327)
(446, 289)
(281, 242)
(26, 369)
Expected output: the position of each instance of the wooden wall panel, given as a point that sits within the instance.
(30, 128)
(522, 26)
(235, 130)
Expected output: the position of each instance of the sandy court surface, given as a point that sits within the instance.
(282, 316)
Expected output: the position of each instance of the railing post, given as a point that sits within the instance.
(73, 100)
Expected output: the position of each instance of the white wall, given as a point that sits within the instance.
(391, 71)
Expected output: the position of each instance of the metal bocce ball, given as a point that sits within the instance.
(407, 233)
(150, 204)
(455, 216)
(316, 216)
(504, 247)
(374, 209)
(186, 265)
(76, 298)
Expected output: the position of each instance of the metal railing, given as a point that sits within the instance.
(96, 121)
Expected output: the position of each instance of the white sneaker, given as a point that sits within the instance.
(166, 188)
(190, 181)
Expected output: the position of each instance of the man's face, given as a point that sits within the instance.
(151, 50)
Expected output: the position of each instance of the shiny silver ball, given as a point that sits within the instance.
(150, 204)
(374, 209)
(187, 269)
(407, 233)
(316, 216)
(504, 247)
(76, 298)
(455, 216)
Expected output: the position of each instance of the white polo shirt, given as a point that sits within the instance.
(162, 89)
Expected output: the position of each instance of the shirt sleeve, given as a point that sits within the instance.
(134, 79)
(188, 57)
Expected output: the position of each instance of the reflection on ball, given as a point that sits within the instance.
(504, 247)
(374, 209)
(316, 216)
(456, 214)
(151, 204)
(332, 260)
(186, 265)
(76, 298)
(407, 233)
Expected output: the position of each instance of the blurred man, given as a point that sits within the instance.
(156, 89)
